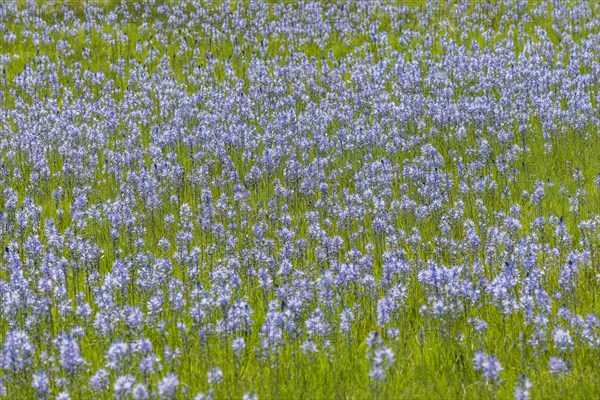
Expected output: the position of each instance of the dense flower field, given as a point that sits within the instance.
(299, 200)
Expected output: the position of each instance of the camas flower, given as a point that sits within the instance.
(489, 366)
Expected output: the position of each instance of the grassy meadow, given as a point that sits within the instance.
(276, 199)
